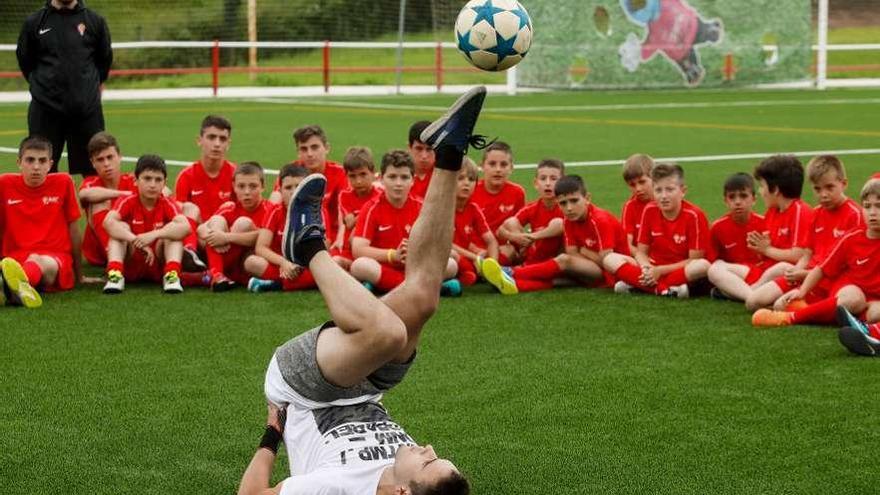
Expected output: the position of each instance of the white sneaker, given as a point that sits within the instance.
(680, 291)
(171, 283)
(115, 282)
(622, 287)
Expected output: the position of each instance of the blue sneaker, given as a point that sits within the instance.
(370, 287)
(456, 126)
(450, 288)
(304, 219)
(847, 319)
(857, 342)
(257, 285)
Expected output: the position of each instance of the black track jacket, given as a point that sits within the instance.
(65, 55)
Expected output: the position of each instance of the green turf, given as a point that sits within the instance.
(571, 391)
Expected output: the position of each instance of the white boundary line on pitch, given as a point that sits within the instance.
(579, 108)
(601, 163)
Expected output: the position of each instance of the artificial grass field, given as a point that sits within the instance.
(569, 391)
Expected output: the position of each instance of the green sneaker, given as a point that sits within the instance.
(19, 287)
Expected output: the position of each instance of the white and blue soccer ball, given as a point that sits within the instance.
(493, 35)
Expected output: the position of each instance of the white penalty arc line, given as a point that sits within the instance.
(605, 163)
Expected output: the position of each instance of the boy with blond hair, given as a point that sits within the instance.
(544, 240)
(495, 194)
(146, 232)
(471, 228)
(637, 175)
(672, 243)
(98, 192)
(362, 188)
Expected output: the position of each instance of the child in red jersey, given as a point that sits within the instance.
(853, 268)
(379, 242)
(543, 217)
(423, 158)
(98, 192)
(471, 228)
(738, 267)
(146, 232)
(270, 270)
(672, 243)
(231, 233)
(312, 149)
(637, 175)
(859, 252)
(39, 224)
(788, 220)
(498, 197)
(202, 187)
(361, 173)
(591, 235)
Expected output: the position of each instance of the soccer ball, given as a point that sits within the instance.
(493, 35)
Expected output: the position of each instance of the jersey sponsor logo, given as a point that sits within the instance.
(678, 238)
(782, 232)
(837, 233)
(590, 242)
(383, 228)
(861, 262)
(196, 193)
(48, 200)
(137, 222)
(656, 234)
(14, 201)
(225, 194)
(505, 208)
(44, 31)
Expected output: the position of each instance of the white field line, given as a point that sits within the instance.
(606, 163)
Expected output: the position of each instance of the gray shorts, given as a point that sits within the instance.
(298, 363)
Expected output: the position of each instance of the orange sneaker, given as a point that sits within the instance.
(795, 305)
(770, 318)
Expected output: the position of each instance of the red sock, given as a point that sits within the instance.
(822, 312)
(33, 271)
(114, 265)
(191, 241)
(172, 266)
(503, 260)
(546, 270)
(389, 279)
(303, 282)
(676, 277)
(215, 261)
(874, 330)
(527, 285)
(629, 273)
(467, 272)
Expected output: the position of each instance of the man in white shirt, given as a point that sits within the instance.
(324, 387)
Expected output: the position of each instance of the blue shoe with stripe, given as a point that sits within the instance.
(305, 220)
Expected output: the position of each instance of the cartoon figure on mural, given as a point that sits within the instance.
(674, 29)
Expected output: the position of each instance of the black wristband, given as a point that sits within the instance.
(271, 439)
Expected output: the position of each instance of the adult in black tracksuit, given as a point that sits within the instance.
(64, 53)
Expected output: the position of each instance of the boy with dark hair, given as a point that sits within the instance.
(326, 385)
(40, 229)
(202, 187)
(544, 240)
(637, 175)
(498, 197)
(379, 242)
(591, 234)
(146, 232)
(852, 267)
(672, 243)
(98, 192)
(360, 170)
(231, 233)
(471, 228)
(312, 148)
(738, 268)
(423, 158)
(269, 269)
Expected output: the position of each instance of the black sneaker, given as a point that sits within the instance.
(191, 263)
(304, 218)
(857, 342)
(716, 293)
(221, 283)
(456, 126)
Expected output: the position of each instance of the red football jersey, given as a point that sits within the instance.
(669, 241)
(790, 228)
(598, 231)
(470, 225)
(142, 220)
(275, 221)
(351, 203)
(194, 186)
(337, 181)
(857, 258)
(538, 216)
(37, 219)
(232, 211)
(730, 239)
(420, 186)
(829, 226)
(499, 207)
(631, 216)
(384, 225)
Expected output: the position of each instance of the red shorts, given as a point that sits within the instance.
(542, 250)
(827, 287)
(137, 269)
(755, 271)
(95, 240)
(65, 280)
